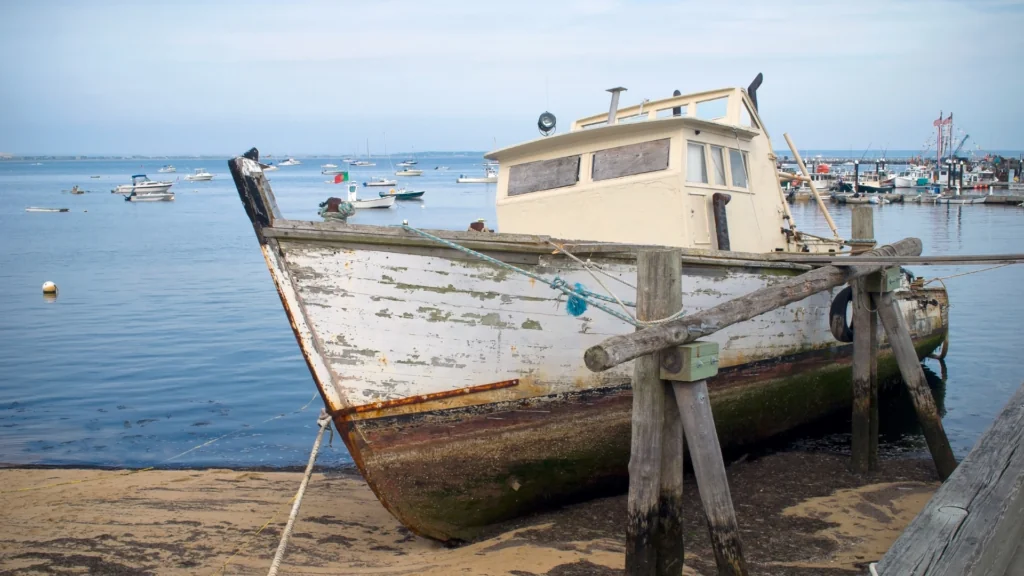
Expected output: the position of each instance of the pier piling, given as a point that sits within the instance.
(670, 408)
(654, 539)
(864, 443)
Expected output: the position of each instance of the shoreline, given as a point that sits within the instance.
(800, 513)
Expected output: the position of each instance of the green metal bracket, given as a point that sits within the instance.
(885, 280)
(690, 362)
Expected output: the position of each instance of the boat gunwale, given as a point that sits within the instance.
(338, 232)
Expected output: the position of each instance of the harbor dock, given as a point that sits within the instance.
(800, 514)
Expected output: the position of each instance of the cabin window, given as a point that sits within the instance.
(631, 119)
(543, 175)
(696, 166)
(718, 165)
(668, 112)
(746, 118)
(738, 168)
(713, 109)
(629, 160)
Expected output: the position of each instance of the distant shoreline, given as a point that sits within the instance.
(868, 156)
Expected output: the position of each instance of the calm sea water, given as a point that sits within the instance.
(168, 333)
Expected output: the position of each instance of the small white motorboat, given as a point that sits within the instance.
(381, 202)
(142, 184)
(268, 167)
(289, 162)
(167, 169)
(409, 172)
(380, 182)
(490, 178)
(149, 197)
(364, 163)
(331, 170)
(38, 209)
(322, 166)
(200, 175)
(440, 167)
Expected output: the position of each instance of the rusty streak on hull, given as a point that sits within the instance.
(423, 398)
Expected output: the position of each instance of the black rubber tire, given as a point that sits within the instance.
(837, 316)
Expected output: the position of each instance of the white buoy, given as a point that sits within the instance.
(49, 288)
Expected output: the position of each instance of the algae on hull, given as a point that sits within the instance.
(584, 454)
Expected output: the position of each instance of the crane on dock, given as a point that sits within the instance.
(960, 146)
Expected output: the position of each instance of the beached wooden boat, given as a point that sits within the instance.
(458, 382)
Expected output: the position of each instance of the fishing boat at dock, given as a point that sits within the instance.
(452, 365)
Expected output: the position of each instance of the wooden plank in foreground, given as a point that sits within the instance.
(974, 524)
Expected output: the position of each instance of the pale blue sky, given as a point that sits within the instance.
(191, 77)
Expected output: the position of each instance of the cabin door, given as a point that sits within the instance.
(700, 229)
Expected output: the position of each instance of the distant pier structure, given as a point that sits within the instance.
(787, 158)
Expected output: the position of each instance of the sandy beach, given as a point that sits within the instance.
(799, 514)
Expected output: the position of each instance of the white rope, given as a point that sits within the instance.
(324, 421)
(967, 273)
(586, 266)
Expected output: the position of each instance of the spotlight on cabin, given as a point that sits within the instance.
(546, 123)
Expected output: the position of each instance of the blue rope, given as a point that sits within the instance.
(579, 297)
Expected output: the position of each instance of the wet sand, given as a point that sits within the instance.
(799, 514)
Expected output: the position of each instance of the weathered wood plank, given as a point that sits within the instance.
(543, 175)
(864, 442)
(666, 298)
(974, 524)
(631, 159)
(862, 227)
(913, 376)
(658, 280)
(709, 470)
(865, 350)
(619, 349)
(670, 501)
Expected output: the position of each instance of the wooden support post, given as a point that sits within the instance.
(669, 540)
(864, 443)
(654, 538)
(862, 230)
(913, 375)
(709, 469)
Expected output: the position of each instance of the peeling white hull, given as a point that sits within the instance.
(395, 324)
